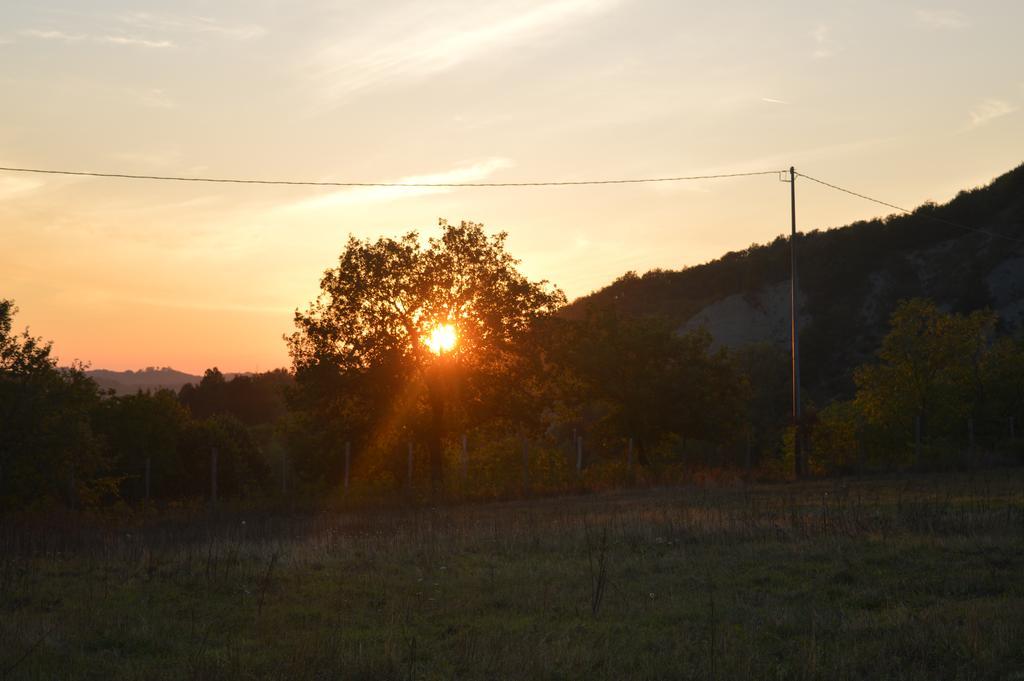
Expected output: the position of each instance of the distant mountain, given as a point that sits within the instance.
(150, 378)
(850, 280)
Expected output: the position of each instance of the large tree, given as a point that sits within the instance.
(650, 380)
(361, 348)
(929, 367)
(47, 445)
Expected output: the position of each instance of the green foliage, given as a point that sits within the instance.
(852, 277)
(253, 399)
(48, 449)
(928, 369)
(361, 363)
(939, 372)
(241, 469)
(836, 444)
(63, 440)
(140, 427)
(765, 368)
(638, 378)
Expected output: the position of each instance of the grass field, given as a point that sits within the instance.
(910, 578)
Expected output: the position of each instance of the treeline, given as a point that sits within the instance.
(524, 400)
(945, 392)
(65, 440)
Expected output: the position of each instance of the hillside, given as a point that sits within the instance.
(150, 378)
(851, 277)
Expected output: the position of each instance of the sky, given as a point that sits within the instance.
(905, 101)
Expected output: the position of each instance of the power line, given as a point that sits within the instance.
(453, 185)
(910, 212)
(304, 183)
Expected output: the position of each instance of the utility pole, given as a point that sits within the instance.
(798, 454)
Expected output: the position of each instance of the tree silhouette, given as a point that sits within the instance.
(47, 444)
(361, 344)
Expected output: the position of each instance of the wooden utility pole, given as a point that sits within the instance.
(798, 452)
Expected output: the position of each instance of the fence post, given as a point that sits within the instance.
(284, 472)
(213, 475)
(917, 440)
(747, 459)
(465, 461)
(148, 467)
(526, 466)
(408, 478)
(572, 445)
(348, 459)
(579, 455)
(970, 442)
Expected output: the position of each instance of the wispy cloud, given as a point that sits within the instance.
(476, 172)
(941, 18)
(158, 158)
(156, 98)
(986, 111)
(129, 40)
(824, 45)
(772, 100)
(434, 44)
(53, 35)
(11, 185)
(193, 24)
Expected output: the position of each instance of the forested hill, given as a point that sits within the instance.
(850, 279)
(150, 378)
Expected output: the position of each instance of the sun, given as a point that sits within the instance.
(442, 339)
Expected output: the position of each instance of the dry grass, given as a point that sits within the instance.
(916, 578)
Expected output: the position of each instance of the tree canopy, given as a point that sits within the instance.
(360, 346)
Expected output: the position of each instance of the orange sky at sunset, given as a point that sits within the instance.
(904, 101)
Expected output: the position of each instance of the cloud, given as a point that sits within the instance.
(772, 100)
(941, 18)
(139, 42)
(156, 98)
(824, 46)
(988, 110)
(476, 172)
(53, 35)
(193, 24)
(11, 185)
(433, 43)
(159, 158)
(134, 41)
